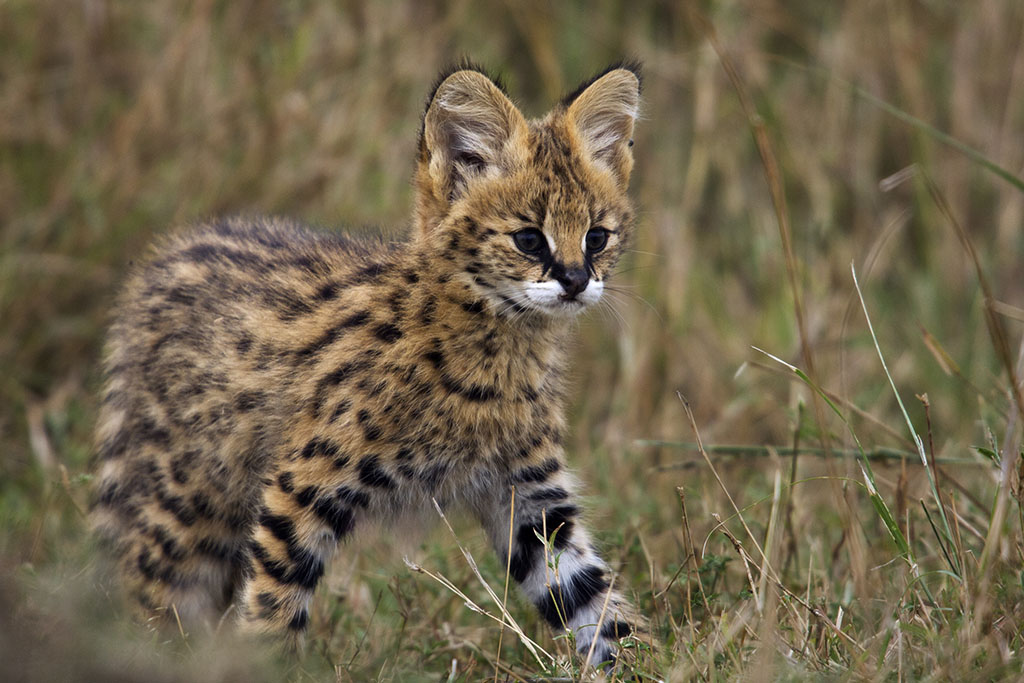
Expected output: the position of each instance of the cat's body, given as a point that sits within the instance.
(273, 390)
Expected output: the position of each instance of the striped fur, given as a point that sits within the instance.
(272, 390)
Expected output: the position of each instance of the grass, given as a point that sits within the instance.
(828, 525)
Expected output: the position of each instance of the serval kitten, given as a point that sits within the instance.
(272, 390)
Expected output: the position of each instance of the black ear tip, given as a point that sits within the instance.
(463, 64)
(631, 65)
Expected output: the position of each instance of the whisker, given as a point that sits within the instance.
(623, 271)
(607, 308)
(616, 289)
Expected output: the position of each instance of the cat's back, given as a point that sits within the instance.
(197, 373)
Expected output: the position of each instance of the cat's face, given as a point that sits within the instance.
(532, 215)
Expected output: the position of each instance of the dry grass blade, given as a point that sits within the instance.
(718, 478)
(992, 320)
(508, 573)
(506, 618)
(597, 628)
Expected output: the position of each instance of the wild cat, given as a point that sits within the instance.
(272, 390)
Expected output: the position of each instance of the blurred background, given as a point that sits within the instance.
(120, 119)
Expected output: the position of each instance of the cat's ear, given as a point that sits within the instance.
(467, 128)
(603, 112)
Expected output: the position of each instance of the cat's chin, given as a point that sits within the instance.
(563, 309)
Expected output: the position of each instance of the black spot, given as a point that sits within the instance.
(248, 400)
(404, 454)
(168, 545)
(560, 523)
(426, 314)
(299, 621)
(181, 295)
(368, 273)
(476, 393)
(181, 465)
(527, 553)
(283, 530)
(269, 605)
(371, 431)
(396, 300)
(434, 475)
(371, 473)
(528, 539)
(387, 333)
(202, 506)
(436, 357)
(286, 480)
(207, 253)
(555, 494)
(147, 430)
(320, 448)
(373, 388)
(109, 494)
(306, 496)
(536, 473)
(488, 345)
(338, 376)
(616, 629)
(305, 570)
(352, 497)
(333, 333)
(115, 446)
(154, 570)
(288, 304)
(335, 515)
(341, 409)
(475, 307)
(327, 291)
(512, 306)
(411, 277)
(176, 505)
(219, 550)
(577, 591)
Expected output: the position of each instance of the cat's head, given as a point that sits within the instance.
(532, 215)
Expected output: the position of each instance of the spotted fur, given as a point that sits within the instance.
(271, 390)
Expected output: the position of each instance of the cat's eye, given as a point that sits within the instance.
(596, 240)
(530, 240)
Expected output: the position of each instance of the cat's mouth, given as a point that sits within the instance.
(551, 297)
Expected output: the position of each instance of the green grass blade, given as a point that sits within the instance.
(869, 477)
(906, 417)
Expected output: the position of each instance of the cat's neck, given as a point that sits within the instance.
(498, 337)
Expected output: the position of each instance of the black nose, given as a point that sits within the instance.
(573, 281)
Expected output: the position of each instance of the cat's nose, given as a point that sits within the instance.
(573, 282)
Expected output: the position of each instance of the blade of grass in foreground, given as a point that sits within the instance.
(865, 465)
(948, 540)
